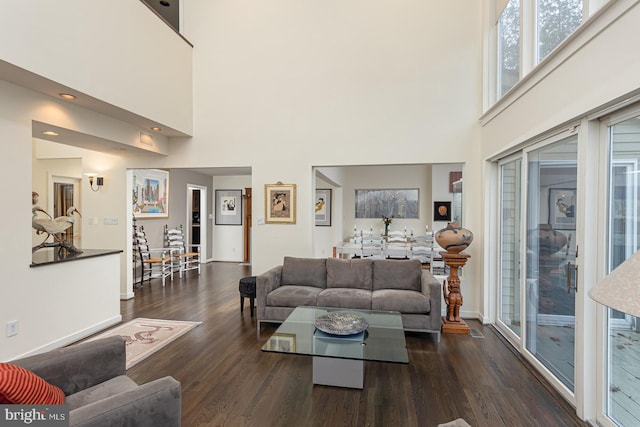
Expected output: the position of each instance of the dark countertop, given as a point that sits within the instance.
(47, 256)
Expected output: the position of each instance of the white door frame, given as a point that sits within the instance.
(53, 179)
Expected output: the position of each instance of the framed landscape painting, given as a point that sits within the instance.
(396, 203)
(280, 203)
(323, 207)
(228, 207)
(150, 193)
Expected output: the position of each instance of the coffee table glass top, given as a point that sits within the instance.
(382, 341)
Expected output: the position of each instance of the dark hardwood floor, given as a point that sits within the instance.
(227, 381)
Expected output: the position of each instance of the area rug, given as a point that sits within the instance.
(146, 336)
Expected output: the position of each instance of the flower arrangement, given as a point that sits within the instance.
(387, 221)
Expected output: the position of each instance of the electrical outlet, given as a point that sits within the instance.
(12, 328)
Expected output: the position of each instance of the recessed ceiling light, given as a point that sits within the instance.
(165, 3)
(50, 133)
(67, 96)
(156, 129)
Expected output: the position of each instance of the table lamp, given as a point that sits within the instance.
(620, 290)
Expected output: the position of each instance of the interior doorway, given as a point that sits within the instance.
(65, 194)
(197, 218)
(246, 213)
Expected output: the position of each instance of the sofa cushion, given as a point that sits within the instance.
(101, 391)
(397, 274)
(404, 301)
(346, 273)
(304, 272)
(345, 298)
(22, 387)
(293, 296)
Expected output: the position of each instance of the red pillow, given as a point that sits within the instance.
(22, 387)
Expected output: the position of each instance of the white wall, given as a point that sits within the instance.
(281, 89)
(65, 297)
(118, 52)
(285, 89)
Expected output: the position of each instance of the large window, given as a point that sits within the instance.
(556, 19)
(519, 47)
(509, 47)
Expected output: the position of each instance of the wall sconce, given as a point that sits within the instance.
(98, 179)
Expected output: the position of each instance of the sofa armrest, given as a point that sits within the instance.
(79, 366)
(265, 283)
(157, 403)
(432, 290)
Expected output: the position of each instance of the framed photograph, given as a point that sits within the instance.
(150, 193)
(442, 211)
(285, 343)
(228, 207)
(280, 203)
(562, 208)
(323, 207)
(396, 203)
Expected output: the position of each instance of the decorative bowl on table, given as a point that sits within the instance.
(341, 323)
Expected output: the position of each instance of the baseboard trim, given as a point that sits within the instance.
(127, 296)
(77, 336)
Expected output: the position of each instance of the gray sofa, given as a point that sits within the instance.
(372, 284)
(93, 377)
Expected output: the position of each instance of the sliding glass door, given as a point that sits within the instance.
(551, 257)
(623, 338)
(537, 254)
(509, 313)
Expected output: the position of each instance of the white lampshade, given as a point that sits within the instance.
(620, 290)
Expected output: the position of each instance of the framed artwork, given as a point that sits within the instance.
(323, 207)
(280, 203)
(562, 208)
(396, 203)
(442, 211)
(150, 193)
(285, 343)
(228, 207)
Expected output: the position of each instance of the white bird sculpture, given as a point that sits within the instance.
(69, 216)
(36, 222)
(54, 226)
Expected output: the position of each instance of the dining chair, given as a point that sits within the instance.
(182, 259)
(155, 263)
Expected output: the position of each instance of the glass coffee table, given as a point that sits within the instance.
(339, 356)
